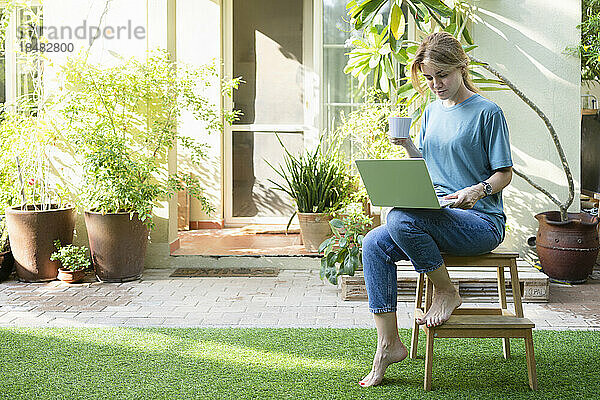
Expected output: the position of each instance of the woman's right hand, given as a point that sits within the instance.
(400, 141)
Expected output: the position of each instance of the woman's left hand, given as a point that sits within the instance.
(467, 197)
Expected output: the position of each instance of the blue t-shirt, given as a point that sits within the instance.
(463, 145)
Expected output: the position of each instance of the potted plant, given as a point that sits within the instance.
(38, 211)
(74, 260)
(320, 183)
(399, 123)
(567, 243)
(343, 251)
(122, 121)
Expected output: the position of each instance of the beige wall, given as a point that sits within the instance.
(525, 40)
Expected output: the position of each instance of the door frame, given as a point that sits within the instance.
(312, 61)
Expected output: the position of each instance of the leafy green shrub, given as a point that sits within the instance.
(72, 258)
(122, 123)
(343, 251)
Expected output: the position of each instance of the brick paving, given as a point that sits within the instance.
(296, 298)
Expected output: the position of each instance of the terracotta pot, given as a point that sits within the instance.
(314, 228)
(567, 250)
(117, 244)
(69, 276)
(32, 234)
(7, 264)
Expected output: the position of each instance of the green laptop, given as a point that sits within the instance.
(400, 183)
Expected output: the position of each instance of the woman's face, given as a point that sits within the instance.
(446, 84)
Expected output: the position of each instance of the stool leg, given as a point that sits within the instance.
(503, 306)
(414, 341)
(428, 293)
(516, 288)
(530, 360)
(428, 359)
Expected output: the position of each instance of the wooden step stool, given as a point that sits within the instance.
(465, 322)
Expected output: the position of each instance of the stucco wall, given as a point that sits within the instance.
(525, 40)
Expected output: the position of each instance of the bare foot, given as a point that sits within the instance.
(444, 303)
(384, 357)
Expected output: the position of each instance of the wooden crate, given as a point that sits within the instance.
(475, 284)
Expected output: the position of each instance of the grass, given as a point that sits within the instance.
(127, 363)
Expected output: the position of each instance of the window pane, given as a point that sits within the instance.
(337, 84)
(29, 64)
(334, 116)
(253, 195)
(267, 54)
(335, 26)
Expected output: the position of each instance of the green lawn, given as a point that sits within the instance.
(128, 363)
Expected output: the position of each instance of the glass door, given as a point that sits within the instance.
(270, 45)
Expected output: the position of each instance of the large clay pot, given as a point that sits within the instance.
(32, 233)
(314, 228)
(117, 244)
(567, 250)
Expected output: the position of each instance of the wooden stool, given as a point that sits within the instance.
(465, 322)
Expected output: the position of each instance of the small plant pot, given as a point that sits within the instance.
(399, 127)
(315, 229)
(69, 276)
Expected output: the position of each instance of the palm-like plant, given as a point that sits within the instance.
(318, 180)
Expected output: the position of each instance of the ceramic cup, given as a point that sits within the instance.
(399, 127)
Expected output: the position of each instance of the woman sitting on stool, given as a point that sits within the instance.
(464, 141)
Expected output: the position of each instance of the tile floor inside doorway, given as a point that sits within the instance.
(246, 241)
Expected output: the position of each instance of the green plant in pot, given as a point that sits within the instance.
(122, 122)
(74, 260)
(567, 243)
(319, 181)
(38, 206)
(343, 251)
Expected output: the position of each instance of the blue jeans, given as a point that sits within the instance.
(420, 235)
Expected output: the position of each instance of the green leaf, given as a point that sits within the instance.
(343, 243)
(374, 61)
(384, 83)
(469, 47)
(324, 244)
(401, 56)
(397, 22)
(467, 36)
(491, 89)
(486, 80)
(405, 88)
(438, 6)
(385, 49)
(337, 223)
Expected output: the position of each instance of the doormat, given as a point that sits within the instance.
(224, 272)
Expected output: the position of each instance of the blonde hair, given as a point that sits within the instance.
(443, 51)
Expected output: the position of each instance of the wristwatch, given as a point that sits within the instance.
(487, 188)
